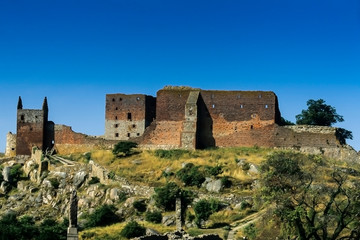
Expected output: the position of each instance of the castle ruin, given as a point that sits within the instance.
(178, 117)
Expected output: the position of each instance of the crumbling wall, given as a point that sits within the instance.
(67, 141)
(10, 150)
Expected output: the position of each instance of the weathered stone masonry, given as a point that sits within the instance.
(179, 117)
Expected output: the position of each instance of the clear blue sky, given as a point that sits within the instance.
(74, 52)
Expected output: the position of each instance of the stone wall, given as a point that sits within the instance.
(10, 150)
(67, 141)
(127, 116)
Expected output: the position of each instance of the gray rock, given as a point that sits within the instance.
(214, 185)
(5, 187)
(253, 169)
(6, 174)
(62, 175)
(240, 162)
(137, 162)
(114, 194)
(79, 178)
(47, 184)
(169, 220)
(150, 231)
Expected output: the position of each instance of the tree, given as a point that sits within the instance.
(123, 148)
(318, 113)
(165, 197)
(132, 230)
(305, 205)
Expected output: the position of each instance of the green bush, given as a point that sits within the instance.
(94, 180)
(190, 175)
(15, 173)
(154, 217)
(54, 182)
(226, 182)
(204, 208)
(102, 216)
(174, 154)
(165, 197)
(132, 230)
(123, 148)
(140, 206)
(213, 171)
(250, 231)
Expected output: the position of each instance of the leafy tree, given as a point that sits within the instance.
(250, 231)
(51, 230)
(132, 230)
(165, 197)
(15, 173)
(284, 122)
(318, 113)
(123, 148)
(140, 206)
(308, 208)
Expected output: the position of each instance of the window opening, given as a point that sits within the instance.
(115, 117)
(134, 126)
(266, 106)
(116, 125)
(116, 108)
(251, 127)
(138, 134)
(213, 106)
(22, 117)
(116, 134)
(113, 99)
(129, 117)
(120, 99)
(128, 134)
(259, 95)
(137, 98)
(241, 106)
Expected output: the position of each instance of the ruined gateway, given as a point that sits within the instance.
(178, 117)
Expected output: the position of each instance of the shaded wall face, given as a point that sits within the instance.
(125, 116)
(30, 130)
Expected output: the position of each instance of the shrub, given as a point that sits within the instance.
(190, 175)
(250, 231)
(54, 182)
(111, 175)
(226, 182)
(102, 216)
(154, 217)
(245, 167)
(213, 171)
(204, 208)
(140, 205)
(15, 173)
(123, 148)
(174, 154)
(94, 180)
(165, 197)
(133, 229)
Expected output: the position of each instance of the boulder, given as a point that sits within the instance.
(212, 185)
(6, 174)
(79, 178)
(168, 220)
(4, 187)
(253, 169)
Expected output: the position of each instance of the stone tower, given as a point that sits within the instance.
(32, 129)
(127, 116)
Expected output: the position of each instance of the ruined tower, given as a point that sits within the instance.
(127, 116)
(32, 129)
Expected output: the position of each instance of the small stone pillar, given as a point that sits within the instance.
(72, 232)
(178, 214)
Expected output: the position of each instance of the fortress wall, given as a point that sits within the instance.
(127, 116)
(306, 136)
(166, 134)
(170, 104)
(241, 105)
(67, 141)
(30, 130)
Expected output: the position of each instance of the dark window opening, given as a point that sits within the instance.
(12, 149)
(129, 116)
(116, 108)
(22, 117)
(113, 99)
(35, 116)
(128, 134)
(115, 117)
(116, 135)
(251, 127)
(31, 129)
(116, 125)
(138, 99)
(138, 134)
(120, 99)
(134, 126)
